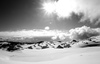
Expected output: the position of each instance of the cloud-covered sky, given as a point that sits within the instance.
(89, 8)
(81, 18)
(79, 33)
(27, 14)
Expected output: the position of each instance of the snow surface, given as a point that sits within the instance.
(90, 55)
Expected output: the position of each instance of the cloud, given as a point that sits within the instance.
(21, 33)
(89, 8)
(61, 36)
(83, 32)
(78, 33)
(54, 34)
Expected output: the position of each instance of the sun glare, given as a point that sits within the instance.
(49, 7)
(63, 8)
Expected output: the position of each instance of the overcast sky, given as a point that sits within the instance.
(27, 14)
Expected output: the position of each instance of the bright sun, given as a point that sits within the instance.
(63, 8)
(49, 7)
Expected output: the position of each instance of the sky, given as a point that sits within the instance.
(23, 14)
(27, 14)
(80, 18)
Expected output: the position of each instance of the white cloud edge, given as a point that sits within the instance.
(77, 33)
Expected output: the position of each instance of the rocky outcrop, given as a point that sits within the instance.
(17, 46)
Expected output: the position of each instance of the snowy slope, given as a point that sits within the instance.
(65, 56)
